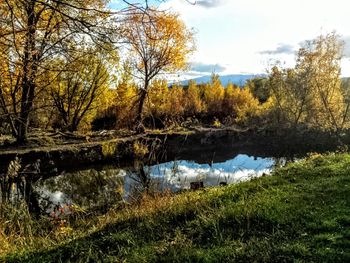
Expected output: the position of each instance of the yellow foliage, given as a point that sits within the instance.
(165, 102)
(158, 96)
(193, 102)
(217, 123)
(240, 103)
(82, 89)
(311, 92)
(140, 149)
(125, 102)
(160, 42)
(109, 149)
(34, 35)
(213, 96)
(175, 102)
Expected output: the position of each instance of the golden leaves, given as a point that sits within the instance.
(160, 42)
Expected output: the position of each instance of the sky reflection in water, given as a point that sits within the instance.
(177, 175)
(89, 188)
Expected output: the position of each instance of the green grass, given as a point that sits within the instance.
(299, 214)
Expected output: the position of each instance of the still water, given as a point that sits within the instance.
(99, 189)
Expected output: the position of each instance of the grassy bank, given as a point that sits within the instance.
(300, 213)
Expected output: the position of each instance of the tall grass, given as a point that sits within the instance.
(22, 231)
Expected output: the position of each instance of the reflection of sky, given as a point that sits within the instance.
(175, 175)
(53, 198)
(178, 175)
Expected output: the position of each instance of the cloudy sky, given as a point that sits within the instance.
(244, 36)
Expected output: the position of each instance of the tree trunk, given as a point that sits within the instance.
(28, 88)
(29, 72)
(72, 127)
(139, 117)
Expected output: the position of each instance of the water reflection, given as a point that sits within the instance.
(16, 185)
(178, 175)
(97, 190)
(89, 189)
(100, 189)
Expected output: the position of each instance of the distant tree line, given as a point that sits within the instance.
(174, 105)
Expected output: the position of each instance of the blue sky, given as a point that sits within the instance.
(246, 36)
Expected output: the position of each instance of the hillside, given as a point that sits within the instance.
(237, 79)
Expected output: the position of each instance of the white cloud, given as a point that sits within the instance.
(280, 49)
(179, 174)
(207, 68)
(233, 33)
(210, 3)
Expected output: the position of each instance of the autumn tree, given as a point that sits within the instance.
(159, 43)
(311, 92)
(156, 105)
(176, 103)
(260, 88)
(32, 34)
(345, 86)
(193, 102)
(319, 62)
(291, 95)
(119, 112)
(213, 96)
(80, 88)
(239, 104)
(126, 98)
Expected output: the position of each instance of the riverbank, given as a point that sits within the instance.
(57, 151)
(299, 213)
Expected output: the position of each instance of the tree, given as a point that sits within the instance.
(260, 88)
(213, 96)
(156, 106)
(78, 89)
(126, 99)
(239, 103)
(193, 102)
(176, 103)
(319, 62)
(159, 42)
(291, 95)
(33, 33)
(311, 93)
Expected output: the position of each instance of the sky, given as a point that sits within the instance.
(247, 36)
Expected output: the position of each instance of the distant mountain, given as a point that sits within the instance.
(237, 79)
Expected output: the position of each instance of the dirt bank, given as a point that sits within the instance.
(200, 144)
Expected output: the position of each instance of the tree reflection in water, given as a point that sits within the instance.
(17, 185)
(90, 189)
(98, 190)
